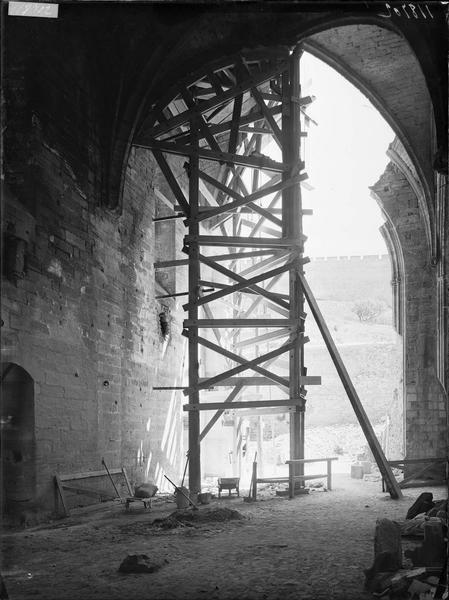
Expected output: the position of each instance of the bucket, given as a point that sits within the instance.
(181, 500)
(204, 498)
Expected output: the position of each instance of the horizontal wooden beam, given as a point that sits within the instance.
(89, 474)
(237, 405)
(258, 381)
(226, 323)
(253, 162)
(260, 412)
(244, 242)
(264, 337)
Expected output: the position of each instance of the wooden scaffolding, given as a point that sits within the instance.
(245, 242)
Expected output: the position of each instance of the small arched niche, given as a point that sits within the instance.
(18, 443)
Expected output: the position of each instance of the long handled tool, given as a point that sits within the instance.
(250, 498)
(185, 468)
(179, 490)
(110, 477)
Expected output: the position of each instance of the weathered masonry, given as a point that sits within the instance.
(121, 119)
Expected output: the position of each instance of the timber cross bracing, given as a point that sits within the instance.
(228, 122)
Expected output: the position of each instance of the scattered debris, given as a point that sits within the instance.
(193, 519)
(433, 550)
(140, 563)
(386, 578)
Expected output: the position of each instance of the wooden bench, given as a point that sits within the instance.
(292, 478)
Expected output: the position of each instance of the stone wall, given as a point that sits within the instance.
(425, 424)
(81, 316)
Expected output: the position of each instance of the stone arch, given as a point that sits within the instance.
(18, 444)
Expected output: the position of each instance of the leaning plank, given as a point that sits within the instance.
(59, 488)
(373, 442)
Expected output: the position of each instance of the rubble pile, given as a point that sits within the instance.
(419, 572)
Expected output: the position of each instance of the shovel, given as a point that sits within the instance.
(179, 490)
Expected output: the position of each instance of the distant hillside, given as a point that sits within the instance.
(371, 350)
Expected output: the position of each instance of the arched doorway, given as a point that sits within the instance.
(18, 447)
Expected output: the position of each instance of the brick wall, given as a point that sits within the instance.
(425, 422)
(83, 321)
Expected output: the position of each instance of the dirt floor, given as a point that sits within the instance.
(313, 547)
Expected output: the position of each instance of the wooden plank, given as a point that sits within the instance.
(373, 442)
(232, 396)
(171, 180)
(226, 323)
(87, 474)
(128, 485)
(261, 193)
(240, 359)
(234, 132)
(238, 405)
(257, 289)
(242, 381)
(215, 129)
(241, 255)
(58, 486)
(250, 364)
(163, 264)
(243, 242)
(87, 491)
(265, 337)
(240, 286)
(415, 461)
(194, 276)
(218, 100)
(277, 133)
(259, 412)
(253, 162)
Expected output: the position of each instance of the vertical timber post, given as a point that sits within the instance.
(292, 228)
(194, 278)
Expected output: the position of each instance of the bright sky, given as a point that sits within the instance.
(345, 154)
